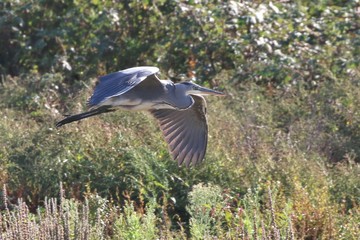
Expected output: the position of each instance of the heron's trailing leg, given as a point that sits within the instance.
(77, 117)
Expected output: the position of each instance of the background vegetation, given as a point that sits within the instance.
(283, 155)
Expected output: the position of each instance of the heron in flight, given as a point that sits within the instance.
(179, 108)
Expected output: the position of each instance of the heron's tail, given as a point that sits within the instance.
(77, 117)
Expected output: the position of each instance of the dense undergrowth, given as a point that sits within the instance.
(283, 154)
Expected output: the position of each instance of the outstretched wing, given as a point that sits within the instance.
(186, 132)
(117, 83)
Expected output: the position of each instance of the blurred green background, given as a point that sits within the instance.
(284, 145)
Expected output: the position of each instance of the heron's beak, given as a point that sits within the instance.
(207, 91)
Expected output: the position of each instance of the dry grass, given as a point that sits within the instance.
(214, 214)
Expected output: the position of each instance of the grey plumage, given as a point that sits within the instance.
(117, 83)
(179, 108)
(185, 131)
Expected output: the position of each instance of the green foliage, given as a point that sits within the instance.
(132, 225)
(267, 42)
(205, 204)
(283, 154)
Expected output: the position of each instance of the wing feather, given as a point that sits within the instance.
(185, 131)
(184, 152)
(117, 83)
(188, 156)
(174, 123)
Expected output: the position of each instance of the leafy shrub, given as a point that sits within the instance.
(205, 206)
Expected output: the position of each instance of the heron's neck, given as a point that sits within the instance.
(179, 97)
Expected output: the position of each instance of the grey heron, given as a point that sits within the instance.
(179, 108)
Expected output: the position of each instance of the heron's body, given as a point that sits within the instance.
(164, 95)
(179, 108)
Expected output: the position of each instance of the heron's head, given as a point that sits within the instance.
(192, 88)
